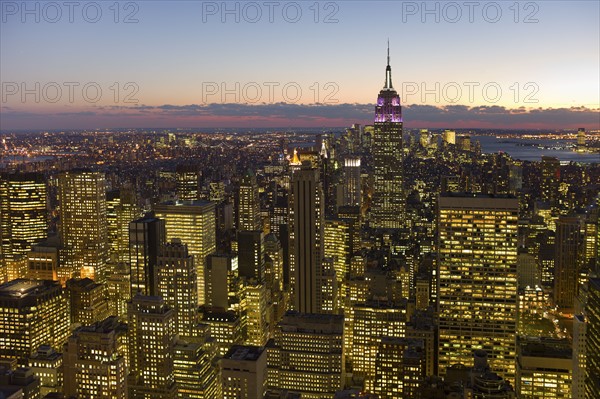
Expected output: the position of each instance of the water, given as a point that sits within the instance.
(529, 152)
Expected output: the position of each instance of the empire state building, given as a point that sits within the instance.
(387, 209)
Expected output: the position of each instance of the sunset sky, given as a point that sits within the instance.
(159, 64)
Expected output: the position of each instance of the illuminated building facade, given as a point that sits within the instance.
(477, 287)
(47, 365)
(544, 368)
(387, 207)
(151, 343)
(83, 223)
(307, 355)
(195, 373)
(255, 313)
(188, 182)
(248, 209)
(243, 372)
(371, 321)
(95, 363)
(42, 262)
(225, 328)
(193, 222)
(399, 368)
(32, 313)
(176, 283)
(352, 185)
(88, 301)
(23, 218)
(592, 367)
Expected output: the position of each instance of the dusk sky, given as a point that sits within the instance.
(161, 64)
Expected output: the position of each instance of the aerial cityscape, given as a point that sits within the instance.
(221, 226)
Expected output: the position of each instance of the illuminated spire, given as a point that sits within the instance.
(295, 159)
(388, 70)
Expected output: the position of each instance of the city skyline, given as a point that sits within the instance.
(484, 65)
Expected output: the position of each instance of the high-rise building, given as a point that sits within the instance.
(352, 185)
(388, 202)
(248, 209)
(581, 139)
(176, 283)
(544, 368)
(32, 313)
(449, 137)
(220, 274)
(95, 363)
(225, 328)
(592, 367)
(151, 343)
(243, 372)
(251, 254)
(399, 368)
(83, 223)
(88, 301)
(477, 286)
(23, 217)
(122, 209)
(579, 356)
(550, 170)
(146, 235)
(118, 290)
(188, 182)
(372, 321)
(194, 223)
(195, 373)
(47, 364)
(42, 261)
(255, 312)
(306, 239)
(307, 355)
(567, 251)
(336, 247)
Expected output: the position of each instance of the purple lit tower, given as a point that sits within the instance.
(387, 207)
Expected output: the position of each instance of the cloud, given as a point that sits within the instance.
(298, 115)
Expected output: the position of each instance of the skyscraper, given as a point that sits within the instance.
(151, 347)
(193, 222)
(146, 235)
(248, 209)
(251, 254)
(387, 207)
(352, 185)
(243, 372)
(307, 355)
(94, 361)
(566, 261)
(176, 283)
(23, 217)
(32, 313)
(592, 367)
(306, 239)
(477, 286)
(83, 223)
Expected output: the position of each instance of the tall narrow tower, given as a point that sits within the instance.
(387, 207)
(83, 223)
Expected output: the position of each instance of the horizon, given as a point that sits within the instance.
(203, 63)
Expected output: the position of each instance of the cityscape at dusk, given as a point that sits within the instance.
(300, 200)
